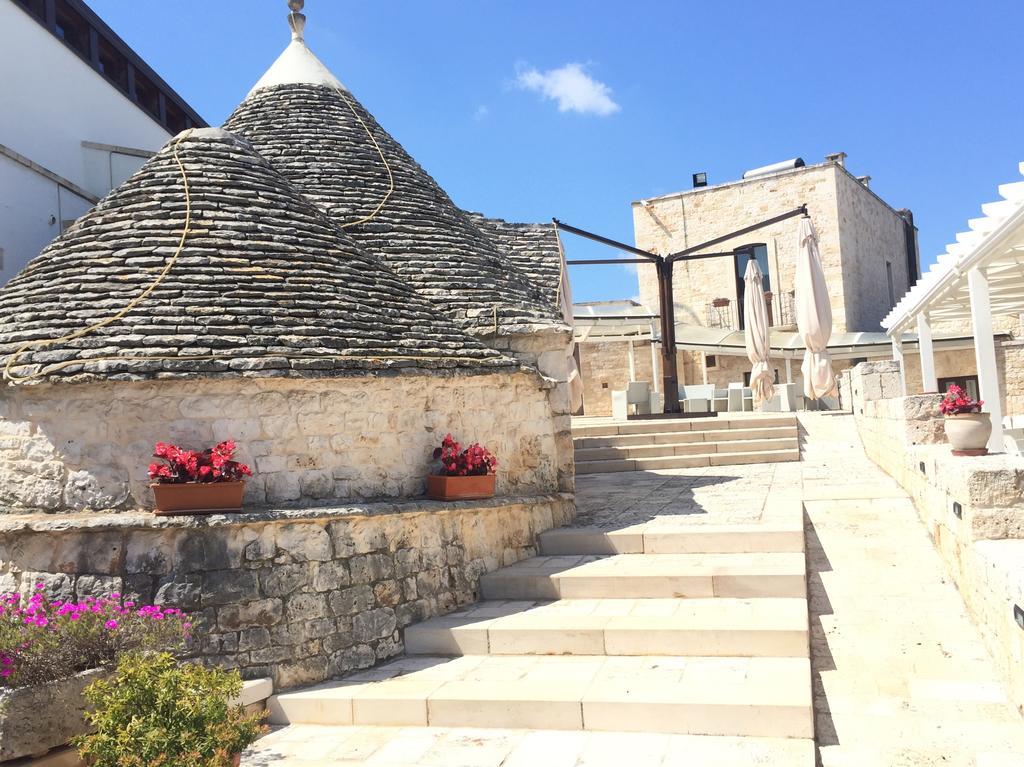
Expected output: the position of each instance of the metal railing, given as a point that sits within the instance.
(723, 312)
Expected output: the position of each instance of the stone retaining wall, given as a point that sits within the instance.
(983, 547)
(86, 446)
(300, 596)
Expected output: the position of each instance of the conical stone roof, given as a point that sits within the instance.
(265, 284)
(319, 136)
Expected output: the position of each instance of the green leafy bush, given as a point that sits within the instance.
(157, 712)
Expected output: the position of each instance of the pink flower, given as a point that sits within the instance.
(5, 673)
(111, 625)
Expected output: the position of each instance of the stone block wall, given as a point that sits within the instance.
(858, 232)
(299, 596)
(674, 222)
(548, 352)
(604, 368)
(973, 507)
(87, 446)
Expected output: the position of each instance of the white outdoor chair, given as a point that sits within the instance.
(741, 398)
(784, 400)
(696, 398)
(637, 395)
(1013, 441)
(720, 403)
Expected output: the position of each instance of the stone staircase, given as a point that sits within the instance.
(682, 443)
(697, 632)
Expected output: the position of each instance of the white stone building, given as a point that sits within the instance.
(81, 113)
(868, 250)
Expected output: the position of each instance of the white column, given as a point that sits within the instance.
(985, 355)
(897, 354)
(789, 370)
(632, 361)
(929, 383)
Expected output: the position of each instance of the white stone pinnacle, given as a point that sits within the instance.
(297, 63)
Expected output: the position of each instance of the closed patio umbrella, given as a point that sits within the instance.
(813, 314)
(755, 314)
(565, 305)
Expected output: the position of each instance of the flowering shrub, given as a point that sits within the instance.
(156, 712)
(42, 639)
(956, 402)
(471, 462)
(211, 465)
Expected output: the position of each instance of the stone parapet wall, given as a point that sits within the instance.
(300, 596)
(86, 446)
(906, 438)
(548, 352)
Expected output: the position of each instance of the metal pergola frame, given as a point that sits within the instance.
(664, 266)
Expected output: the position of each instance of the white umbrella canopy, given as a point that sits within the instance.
(813, 314)
(755, 315)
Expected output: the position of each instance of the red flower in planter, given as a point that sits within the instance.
(474, 461)
(214, 464)
(956, 402)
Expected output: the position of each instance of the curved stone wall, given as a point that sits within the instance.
(73, 447)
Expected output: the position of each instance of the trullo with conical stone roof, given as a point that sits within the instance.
(297, 283)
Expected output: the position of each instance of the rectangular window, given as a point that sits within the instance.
(146, 94)
(742, 256)
(968, 383)
(113, 64)
(72, 28)
(892, 287)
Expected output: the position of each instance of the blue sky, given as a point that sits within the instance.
(572, 109)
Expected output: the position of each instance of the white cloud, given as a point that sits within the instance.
(481, 112)
(571, 87)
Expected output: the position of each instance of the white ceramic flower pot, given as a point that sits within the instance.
(968, 432)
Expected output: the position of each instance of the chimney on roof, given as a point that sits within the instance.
(865, 180)
(839, 158)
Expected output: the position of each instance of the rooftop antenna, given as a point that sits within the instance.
(296, 19)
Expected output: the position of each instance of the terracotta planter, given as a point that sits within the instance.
(968, 433)
(198, 497)
(460, 488)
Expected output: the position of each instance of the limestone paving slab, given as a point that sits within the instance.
(767, 627)
(308, 745)
(779, 574)
(689, 695)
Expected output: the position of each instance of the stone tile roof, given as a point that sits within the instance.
(313, 135)
(266, 282)
(533, 248)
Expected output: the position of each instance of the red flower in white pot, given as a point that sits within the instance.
(967, 428)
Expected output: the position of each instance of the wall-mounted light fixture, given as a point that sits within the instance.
(699, 180)
(920, 465)
(1018, 615)
(958, 510)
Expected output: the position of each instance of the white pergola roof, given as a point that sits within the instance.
(995, 242)
(628, 321)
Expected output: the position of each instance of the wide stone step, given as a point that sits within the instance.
(649, 576)
(688, 448)
(700, 696)
(658, 539)
(397, 746)
(688, 461)
(665, 425)
(702, 627)
(685, 437)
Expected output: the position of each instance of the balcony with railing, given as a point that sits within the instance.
(724, 312)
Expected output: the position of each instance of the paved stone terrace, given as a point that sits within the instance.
(901, 676)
